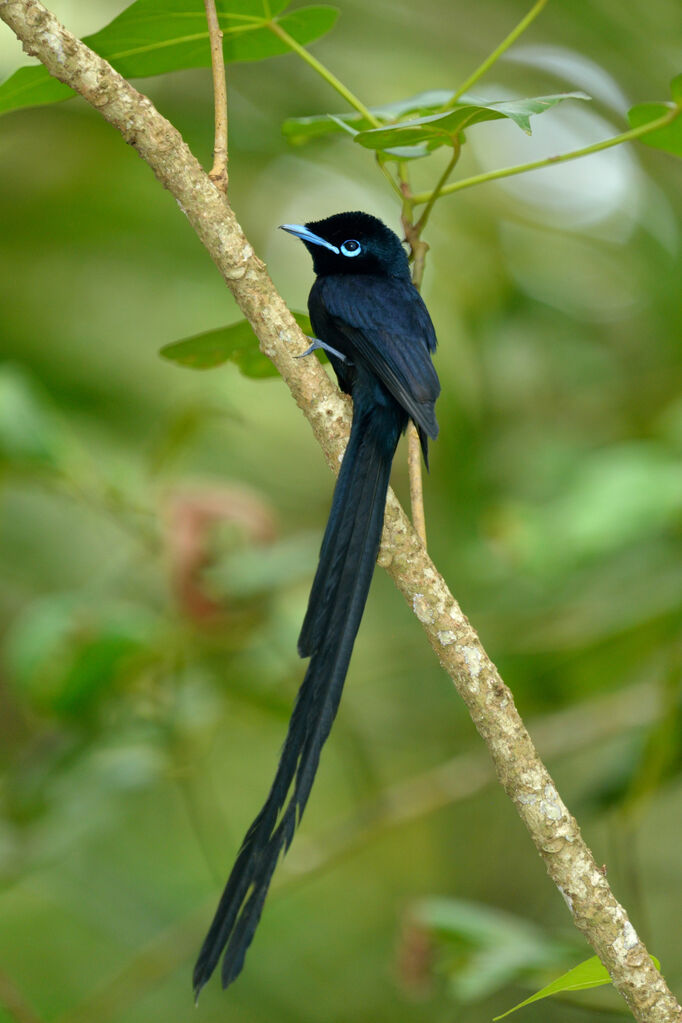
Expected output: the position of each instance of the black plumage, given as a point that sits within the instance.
(378, 335)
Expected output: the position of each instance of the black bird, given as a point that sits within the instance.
(375, 328)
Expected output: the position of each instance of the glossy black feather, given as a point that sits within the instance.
(383, 322)
(377, 320)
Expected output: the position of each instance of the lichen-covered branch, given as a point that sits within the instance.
(556, 835)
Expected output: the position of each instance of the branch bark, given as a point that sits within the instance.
(555, 833)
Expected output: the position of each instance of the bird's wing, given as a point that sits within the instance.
(384, 322)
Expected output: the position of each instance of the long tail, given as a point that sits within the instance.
(337, 600)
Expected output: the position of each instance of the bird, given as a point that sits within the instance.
(371, 321)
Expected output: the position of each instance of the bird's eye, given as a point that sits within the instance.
(351, 247)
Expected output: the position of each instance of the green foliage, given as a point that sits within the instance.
(482, 949)
(615, 496)
(150, 646)
(249, 571)
(650, 763)
(441, 121)
(154, 37)
(676, 89)
(298, 130)
(30, 433)
(64, 654)
(235, 343)
(668, 137)
(586, 975)
(445, 128)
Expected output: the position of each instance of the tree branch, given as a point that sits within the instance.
(218, 173)
(555, 833)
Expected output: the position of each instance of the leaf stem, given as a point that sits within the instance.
(218, 173)
(389, 177)
(418, 250)
(414, 470)
(438, 190)
(323, 72)
(497, 53)
(508, 172)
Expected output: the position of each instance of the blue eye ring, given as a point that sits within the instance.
(351, 247)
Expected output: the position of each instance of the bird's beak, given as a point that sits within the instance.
(302, 232)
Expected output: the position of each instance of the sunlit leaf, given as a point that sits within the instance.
(235, 343)
(442, 128)
(589, 974)
(669, 137)
(302, 129)
(420, 103)
(153, 37)
(676, 89)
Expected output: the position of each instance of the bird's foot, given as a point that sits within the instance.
(316, 343)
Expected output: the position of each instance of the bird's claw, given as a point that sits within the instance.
(316, 343)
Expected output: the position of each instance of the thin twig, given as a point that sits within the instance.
(325, 73)
(414, 471)
(440, 185)
(218, 173)
(497, 53)
(413, 233)
(507, 172)
(389, 177)
(555, 833)
(418, 250)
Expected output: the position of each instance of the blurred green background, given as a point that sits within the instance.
(159, 530)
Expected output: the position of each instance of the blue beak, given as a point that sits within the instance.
(302, 232)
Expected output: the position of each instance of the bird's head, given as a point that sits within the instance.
(352, 243)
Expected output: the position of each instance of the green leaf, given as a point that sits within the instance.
(421, 103)
(64, 654)
(31, 86)
(591, 973)
(676, 89)
(153, 37)
(298, 130)
(443, 128)
(30, 432)
(482, 949)
(235, 343)
(669, 137)
(251, 571)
